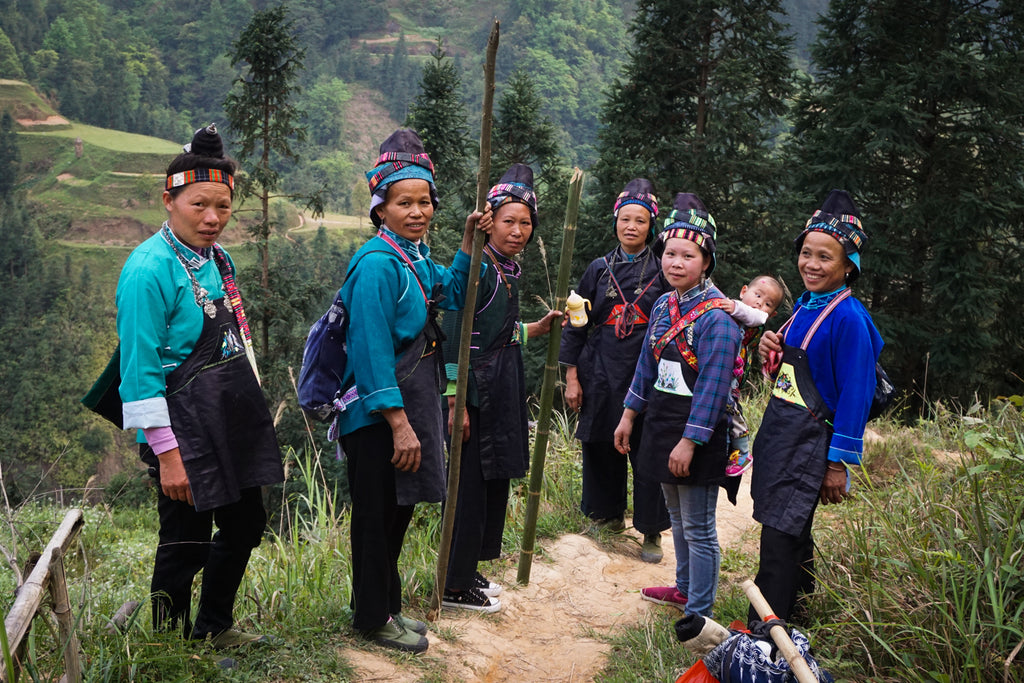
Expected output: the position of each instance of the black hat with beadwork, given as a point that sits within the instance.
(838, 217)
(689, 220)
(516, 185)
(637, 191)
(402, 156)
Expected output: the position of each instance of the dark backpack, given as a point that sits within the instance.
(320, 390)
(323, 364)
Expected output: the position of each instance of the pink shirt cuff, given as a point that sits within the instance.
(160, 439)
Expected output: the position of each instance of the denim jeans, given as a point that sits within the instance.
(695, 535)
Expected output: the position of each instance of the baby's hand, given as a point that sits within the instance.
(729, 306)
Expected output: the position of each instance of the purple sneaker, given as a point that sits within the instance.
(664, 595)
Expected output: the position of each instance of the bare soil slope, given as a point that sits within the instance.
(550, 630)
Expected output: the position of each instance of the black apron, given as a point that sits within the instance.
(664, 421)
(501, 395)
(791, 447)
(420, 374)
(220, 417)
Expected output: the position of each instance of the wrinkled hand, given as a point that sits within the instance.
(573, 390)
(407, 446)
(477, 220)
(542, 326)
(173, 478)
(481, 220)
(623, 432)
(770, 350)
(680, 458)
(451, 423)
(833, 488)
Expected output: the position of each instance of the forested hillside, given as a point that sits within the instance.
(913, 107)
(161, 69)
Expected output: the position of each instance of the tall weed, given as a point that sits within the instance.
(924, 577)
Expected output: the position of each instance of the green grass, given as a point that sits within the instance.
(921, 574)
(22, 101)
(113, 140)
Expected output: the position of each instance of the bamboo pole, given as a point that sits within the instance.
(540, 444)
(30, 594)
(465, 338)
(65, 620)
(797, 664)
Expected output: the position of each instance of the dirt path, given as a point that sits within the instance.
(544, 631)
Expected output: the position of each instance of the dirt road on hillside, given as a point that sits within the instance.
(544, 631)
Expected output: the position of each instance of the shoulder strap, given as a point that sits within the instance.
(235, 299)
(405, 257)
(824, 314)
(680, 322)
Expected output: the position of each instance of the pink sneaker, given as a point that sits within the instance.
(664, 595)
(739, 462)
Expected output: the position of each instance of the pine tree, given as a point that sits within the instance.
(524, 134)
(264, 120)
(10, 65)
(697, 109)
(916, 109)
(10, 156)
(438, 114)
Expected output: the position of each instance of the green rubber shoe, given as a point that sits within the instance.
(650, 551)
(414, 625)
(395, 636)
(235, 638)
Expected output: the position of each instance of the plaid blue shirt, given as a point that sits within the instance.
(716, 341)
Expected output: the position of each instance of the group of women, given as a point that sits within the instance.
(650, 377)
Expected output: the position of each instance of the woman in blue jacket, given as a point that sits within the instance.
(190, 386)
(391, 430)
(823, 360)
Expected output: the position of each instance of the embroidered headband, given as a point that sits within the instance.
(389, 163)
(200, 175)
(692, 225)
(644, 199)
(512, 192)
(843, 227)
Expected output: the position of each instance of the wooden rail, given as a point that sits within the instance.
(47, 577)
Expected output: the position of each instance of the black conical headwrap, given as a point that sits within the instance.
(516, 185)
(206, 142)
(689, 220)
(839, 218)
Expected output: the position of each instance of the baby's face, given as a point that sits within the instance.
(762, 294)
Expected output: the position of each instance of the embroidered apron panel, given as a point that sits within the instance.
(420, 374)
(790, 449)
(220, 417)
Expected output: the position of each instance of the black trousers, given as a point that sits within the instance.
(479, 513)
(378, 526)
(786, 570)
(186, 547)
(604, 486)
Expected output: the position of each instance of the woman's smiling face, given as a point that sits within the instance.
(683, 263)
(407, 208)
(822, 263)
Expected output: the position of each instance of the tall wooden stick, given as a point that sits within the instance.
(466, 335)
(547, 392)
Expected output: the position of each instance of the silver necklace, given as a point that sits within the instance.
(199, 292)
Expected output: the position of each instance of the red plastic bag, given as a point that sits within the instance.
(698, 673)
